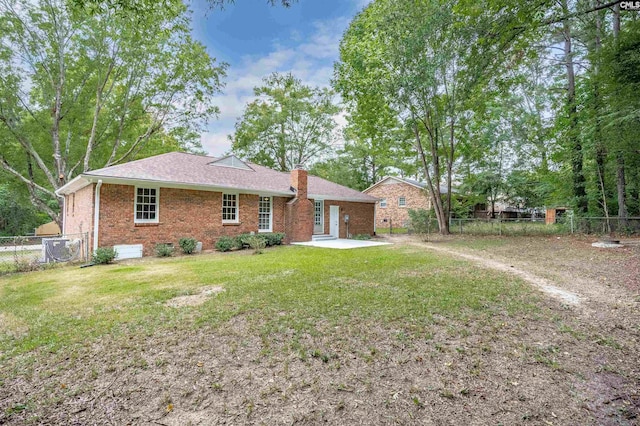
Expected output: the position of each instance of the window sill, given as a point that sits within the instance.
(144, 224)
(231, 224)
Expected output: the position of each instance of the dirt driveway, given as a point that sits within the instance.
(599, 287)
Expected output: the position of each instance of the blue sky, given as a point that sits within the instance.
(256, 39)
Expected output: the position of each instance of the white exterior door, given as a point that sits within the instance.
(334, 221)
(318, 224)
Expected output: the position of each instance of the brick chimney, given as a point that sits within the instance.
(299, 182)
(299, 210)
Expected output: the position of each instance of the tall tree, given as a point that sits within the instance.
(83, 90)
(428, 59)
(289, 124)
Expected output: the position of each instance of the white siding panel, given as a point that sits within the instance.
(128, 251)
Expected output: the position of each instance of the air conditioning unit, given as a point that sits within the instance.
(55, 249)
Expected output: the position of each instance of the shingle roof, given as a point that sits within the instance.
(191, 169)
(443, 188)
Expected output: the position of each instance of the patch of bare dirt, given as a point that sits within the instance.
(193, 299)
(497, 370)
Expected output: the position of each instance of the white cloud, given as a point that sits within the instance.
(326, 40)
(310, 60)
(217, 143)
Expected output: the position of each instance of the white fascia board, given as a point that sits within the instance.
(376, 184)
(178, 185)
(333, 198)
(75, 184)
(394, 178)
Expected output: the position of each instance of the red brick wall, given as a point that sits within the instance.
(299, 182)
(78, 218)
(181, 213)
(299, 211)
(190, 213)
(299, 220)
(360, 217)
(416, 199)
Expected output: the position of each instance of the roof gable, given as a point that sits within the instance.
(411, 182)
(231, 161)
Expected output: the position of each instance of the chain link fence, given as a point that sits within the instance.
(567, 224)
(605, 225)
(25, 253)
(501, 226)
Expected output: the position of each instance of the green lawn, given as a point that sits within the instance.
(284, 287)
(380, 335)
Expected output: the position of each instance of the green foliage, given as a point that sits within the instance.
(17, 215)
(421, 221)
(188, 245)
(419, 67)
(270, 239)
(225, 243)
(117, 89)
(257, 243)
(104, 255)
(362, 237)
(164, 250)
(239, 241)
(273, 238)
(289, 124)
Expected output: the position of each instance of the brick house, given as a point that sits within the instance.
(164, 198)
(396, 196)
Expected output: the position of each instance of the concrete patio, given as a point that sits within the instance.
(342, 244)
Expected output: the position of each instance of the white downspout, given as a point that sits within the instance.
(64, 215)
(96, 216)
(375, 218)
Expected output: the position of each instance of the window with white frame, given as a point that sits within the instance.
(318, 212)
(402, 202)
(146, 205)
(264, 214)
(383, 203)
(229, 208)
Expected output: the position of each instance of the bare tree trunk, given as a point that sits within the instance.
(579, 190)
(622, 187)
(616, 20)
(621, 183)
(433, 187)
(601, 149)
(450, 157)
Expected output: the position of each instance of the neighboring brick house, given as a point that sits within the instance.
(396, 196)
(164, 198)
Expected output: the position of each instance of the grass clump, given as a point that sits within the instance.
(104, 255)
(257, 243)
(188, 245)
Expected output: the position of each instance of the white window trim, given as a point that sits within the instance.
(237, 219)
(135, 203)
(383, 203)
(270, 214)
(405, 202)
